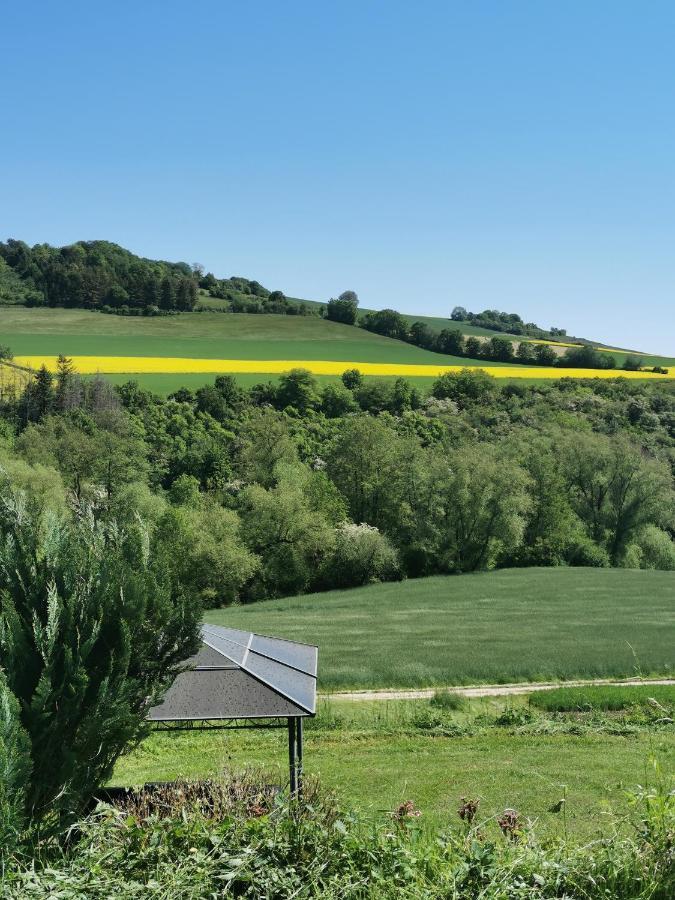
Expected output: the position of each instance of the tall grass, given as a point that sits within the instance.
(315, 849)
(606, 698)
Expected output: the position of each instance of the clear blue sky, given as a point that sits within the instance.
(509, 154)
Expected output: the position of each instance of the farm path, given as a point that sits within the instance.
(487, 690)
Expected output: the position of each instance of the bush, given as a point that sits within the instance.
(91, 633)
(14, 771)
(361, 555)
(657, 549)
(586, 552)
(448, 700)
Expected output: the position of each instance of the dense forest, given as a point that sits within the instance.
(290, 487)
(96, 275)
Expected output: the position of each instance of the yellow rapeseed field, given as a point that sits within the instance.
(133, 365)
(12, 381)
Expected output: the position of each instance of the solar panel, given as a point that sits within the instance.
(239, 674)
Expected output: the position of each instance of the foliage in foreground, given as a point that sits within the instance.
(91, 631)
(239, 838)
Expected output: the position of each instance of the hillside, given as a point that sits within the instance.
(100, 275)
(168, 352)
(511, 625)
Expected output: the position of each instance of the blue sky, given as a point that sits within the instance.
(513, 155)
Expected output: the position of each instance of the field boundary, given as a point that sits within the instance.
(491, 690)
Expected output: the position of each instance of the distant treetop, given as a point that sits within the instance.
(511, 323)
(97, 275)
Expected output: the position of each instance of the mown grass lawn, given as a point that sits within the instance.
(373, 770)
(510, 625)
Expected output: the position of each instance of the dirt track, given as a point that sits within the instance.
(486, 690)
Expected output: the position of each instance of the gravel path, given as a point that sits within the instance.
(486, 690)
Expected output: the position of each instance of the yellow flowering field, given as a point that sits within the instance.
(132, 365)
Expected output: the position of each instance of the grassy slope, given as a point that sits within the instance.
(204, 335)
(511, 625)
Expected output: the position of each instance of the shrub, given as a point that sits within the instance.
(448, 700)
(14, 771)
(657, 549)
(91, 633)
(586, 552)
(361, 555)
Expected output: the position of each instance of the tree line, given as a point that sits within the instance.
(296, 486)
(453, 342)
(512, 323)
(98, 275)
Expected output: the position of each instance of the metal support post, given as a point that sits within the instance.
(292, 755)
(298, 731)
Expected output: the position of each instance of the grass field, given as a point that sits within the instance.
(510, 625)
(507, 625)
(374, 764)
(48, 332)
(166, 353)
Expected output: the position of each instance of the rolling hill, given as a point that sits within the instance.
(61, 300)
(187, 350)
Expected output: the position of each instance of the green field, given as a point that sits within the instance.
(204, 336)
(374, 762)
(75, 332)
(509, 625)
(502, 626)
(660, 697)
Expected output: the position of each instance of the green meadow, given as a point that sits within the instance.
(376, 755)
(509, 625)
(503, 626)
(204, 336)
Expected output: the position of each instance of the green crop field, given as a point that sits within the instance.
(660, 697)
(204, 336)
(502, 626)
(198, 335)
(212, 335)
(510, 625)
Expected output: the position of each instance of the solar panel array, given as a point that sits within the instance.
(242, 675)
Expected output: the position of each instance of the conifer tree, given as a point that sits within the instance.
(92, 630)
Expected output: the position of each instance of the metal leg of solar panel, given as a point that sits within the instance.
(292, 755)
(298, 736)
